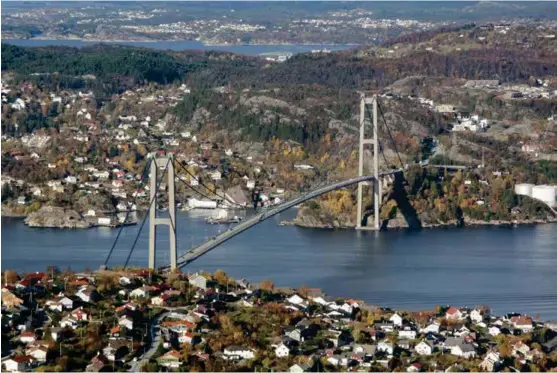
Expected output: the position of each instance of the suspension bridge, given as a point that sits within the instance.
(167, 164)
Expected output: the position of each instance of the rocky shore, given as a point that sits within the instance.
(308, 220)
(56, 217)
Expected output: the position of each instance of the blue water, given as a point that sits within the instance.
(508, 269)
(183, 45)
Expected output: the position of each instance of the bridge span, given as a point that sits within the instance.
(210, 244)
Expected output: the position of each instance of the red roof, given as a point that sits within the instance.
(452, 310)
(522, 320)
(28, 334)
(22, 358)
(115, 330)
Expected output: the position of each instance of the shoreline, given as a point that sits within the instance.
(185, 40)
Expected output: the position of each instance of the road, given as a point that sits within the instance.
(155, 340)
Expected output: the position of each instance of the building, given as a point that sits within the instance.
(237, 196)
(424, 348)
(453, 313)
(237, 352)
(171, 359)
(198, 281)
(282, 350)
(465, 350)
(18, 364)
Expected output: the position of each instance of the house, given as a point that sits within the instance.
(86, 294)
(28, 337)
(115, 332)
(69, 322)
(524, 323)
(198, 281)
(396, 319)
(80, 315)
(334, 360)
(38, 353)
(365, 349)
(431, 328)
(187, 337)
(490, 362)
(465, 350)
(126, 322)
(216, 175)
(141, 292)
(300, 368)
(18, 364)
(424, 348)
(237, 352)
(386, 347)
(493, 330)
(407, 332)
(453, 313)
(282, 350)
(9, 300)
(295, 299)
(476, 316)
(172, 359)
(236, 195)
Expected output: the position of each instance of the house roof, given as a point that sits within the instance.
(22, 358)
(452, 311)
(172, 354)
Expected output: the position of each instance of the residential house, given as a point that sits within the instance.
(493, 330)
(198, 281)
(465, 350)
(28, 337)
(116, 349)
(9, 300)
(407, 332)
(80, 314)
(476, 315)
(18, 364)
(453, 313)
(57, 334)
(237, 352)
(424, 348)
(69, 322)
(126, 322)
(524, 323)
(38, 353)
(396, 319)
(172, 359)
(386, 347)
(282, 350)
(431, 328)
(98, 363)
(490, 362)
(415, 367)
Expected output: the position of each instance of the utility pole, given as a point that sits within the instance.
(156, 162)
(363, 141)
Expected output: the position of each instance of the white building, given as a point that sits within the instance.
(282, 350)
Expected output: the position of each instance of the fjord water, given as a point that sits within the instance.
(508, 269)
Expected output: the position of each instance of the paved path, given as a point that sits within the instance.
(155, 340)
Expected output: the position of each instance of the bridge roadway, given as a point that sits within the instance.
(207, 246)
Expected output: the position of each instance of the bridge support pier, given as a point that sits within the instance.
(363, 141)
(156, 164)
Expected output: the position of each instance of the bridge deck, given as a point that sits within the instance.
(207, 246)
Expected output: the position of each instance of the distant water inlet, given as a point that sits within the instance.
(507, 269)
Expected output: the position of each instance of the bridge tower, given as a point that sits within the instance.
(158, 163)
(364, 102)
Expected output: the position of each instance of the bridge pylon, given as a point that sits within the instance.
(364, 102)
(166, 163)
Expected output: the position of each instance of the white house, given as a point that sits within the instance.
(493, 330)
(424, 348)
(490, 361)
(68, 322)
(38, 353)
(216, 175)
(453, 313)
(282, 350)
(464, 350)
(407, 333)
(384, 346)
(431, 328)
(139, 292)
(126, 322)
(396, 319)
(70, 179)
(18, 363)
(295, 299)
(238, 352)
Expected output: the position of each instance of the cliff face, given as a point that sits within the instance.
(56, 217)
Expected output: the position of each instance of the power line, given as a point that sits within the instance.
(143, 175)
(158, 183)
(390, 134)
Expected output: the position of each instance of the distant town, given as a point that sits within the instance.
(137, 320)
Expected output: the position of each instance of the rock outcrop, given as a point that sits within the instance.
(56, 217)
